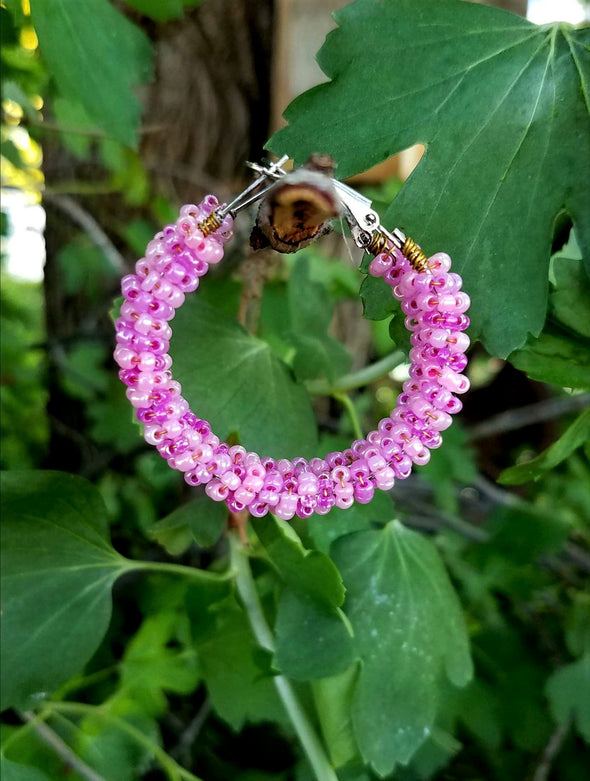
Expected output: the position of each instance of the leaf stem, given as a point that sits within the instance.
(179, 569)
(251, 601)
(348, 404)
(358, 379)
(172, 769)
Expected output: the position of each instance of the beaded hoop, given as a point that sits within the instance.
(430, 296)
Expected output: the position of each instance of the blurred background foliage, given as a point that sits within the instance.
(175, 98)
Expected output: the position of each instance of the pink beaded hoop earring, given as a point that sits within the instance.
(430, 296)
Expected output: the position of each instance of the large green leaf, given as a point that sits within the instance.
(408, 631)
(57, 573)
(307, 572)
(234, 381)
(312, 640)
(96, 56)
(503, 109)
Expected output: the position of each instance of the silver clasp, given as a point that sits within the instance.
(253, 193)
(362, 219)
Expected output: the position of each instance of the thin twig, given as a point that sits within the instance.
(181, 752)
(515, 419)
(88, 224)
(53, 740)
(550, 751)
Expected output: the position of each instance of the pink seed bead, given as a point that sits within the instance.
(231, 480)
(286, 507)
(380, 265)
(216, 490)
(439, 262)
(456, 383)
(385, 478)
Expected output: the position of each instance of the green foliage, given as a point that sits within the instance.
(312, 640)
(481, 79)
(308, 572)
(16, 772)
(199, 520)
(567, 690)
(95, 65)
(317, 354)
(408, 632)
(576, 435)
(237, 675)
(248, 384)
(23, 420)
(58, 569)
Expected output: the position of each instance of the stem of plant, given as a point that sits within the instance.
(359, 379)
(251, 601)
(348, 404)
(172, 769)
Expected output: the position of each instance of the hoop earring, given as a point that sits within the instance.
(431, 298)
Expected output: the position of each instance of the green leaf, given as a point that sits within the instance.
(333, 699)
(58, 569)
(13, 771)
(239, 688)
(324, 529)
(312, 640)
(378, 303)
(305, 571)
(235, 382)
(96, 56)
(556, 357)
(575, 436)
(111, 751)
(502, 107)
(200, 520)
(159, 10)
(310, 308)
(568, 690)
(570, 300)
(74, 126)
(157, 660)
(408, 630)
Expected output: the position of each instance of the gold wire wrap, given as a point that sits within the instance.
(210, 224)
(415, 255)
(379, 243)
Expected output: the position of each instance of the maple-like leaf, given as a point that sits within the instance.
(503, 108)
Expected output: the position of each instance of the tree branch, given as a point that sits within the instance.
(550, 751)
(515, 419)
(90, 226)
